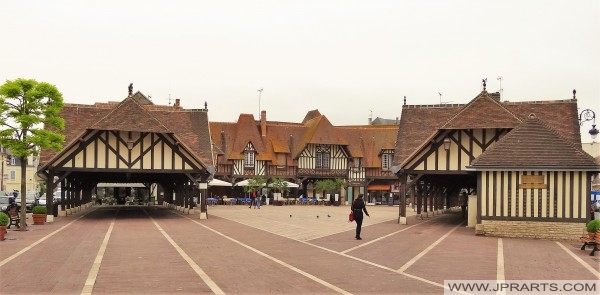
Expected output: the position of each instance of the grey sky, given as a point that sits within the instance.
(345, 58)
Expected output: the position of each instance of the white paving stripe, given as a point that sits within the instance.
(500, 261)
(420, 255)
(291, 267)
(500, 277)
(209, 282)
(93, 274)
(381, 238)
(342, 253)
(8, 259)
(587, 266)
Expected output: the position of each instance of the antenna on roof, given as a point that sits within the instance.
(501, 89)
(259, 94)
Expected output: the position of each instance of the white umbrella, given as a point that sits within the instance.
(287, 184)
(218, 182)
(242, 183)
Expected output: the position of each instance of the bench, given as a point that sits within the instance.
(15, 219)
(591, 240)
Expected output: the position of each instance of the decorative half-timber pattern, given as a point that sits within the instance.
(548, 195)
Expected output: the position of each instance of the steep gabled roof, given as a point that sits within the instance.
(369, 141)
(417, 123)
(246, 131)
(318, 131)
(119, 118)
(190, 127)
(470, 116)
(287, 138)
(534, 146)
(420, 123)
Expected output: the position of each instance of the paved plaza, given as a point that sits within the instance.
(273, 250)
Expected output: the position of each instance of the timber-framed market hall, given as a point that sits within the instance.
(518, 162)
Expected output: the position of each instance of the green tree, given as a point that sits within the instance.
(331, 186)
(254, 184)
(279, 186)
(26, 107)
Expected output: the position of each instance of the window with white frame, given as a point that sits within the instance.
(322, 157)
(13, 175)
(386, 161)
(249, 159)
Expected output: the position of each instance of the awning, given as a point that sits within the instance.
(378, 187)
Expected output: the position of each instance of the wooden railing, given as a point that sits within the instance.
(292, 172)
(377, 172)
(323, 172)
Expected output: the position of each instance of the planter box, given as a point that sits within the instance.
(39, 219)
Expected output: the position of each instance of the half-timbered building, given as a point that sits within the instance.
(132, 141)
(306, 152)
(521, 162)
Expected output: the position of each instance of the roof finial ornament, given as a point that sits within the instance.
(484, 83)
(574, 92)
(130, 89)
(405, 100)
(205, 105)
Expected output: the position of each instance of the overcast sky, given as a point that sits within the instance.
(347, 59)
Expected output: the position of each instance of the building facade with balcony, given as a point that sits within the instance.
(306, 152)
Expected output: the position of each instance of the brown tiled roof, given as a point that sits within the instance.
(417, 123)
(560, 115)
(470, 116)
(246, 131)
(189, 126)
(534, 145)
(368, 141)
(319, 131)
(119, 118)
(420, 123)
(291, 138)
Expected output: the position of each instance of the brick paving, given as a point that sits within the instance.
(237, 250)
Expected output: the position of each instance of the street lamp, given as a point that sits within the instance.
(447, 144)
(589, 115)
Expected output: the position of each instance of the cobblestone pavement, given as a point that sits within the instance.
(275, 249)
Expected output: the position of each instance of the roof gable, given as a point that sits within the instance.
(534, 145)
(246, 131)
(471, 115)
(120, 118)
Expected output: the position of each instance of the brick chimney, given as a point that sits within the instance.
(495, 96)
(263, 123)
(176, 102)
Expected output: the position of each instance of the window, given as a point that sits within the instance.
(13, 161)
(249, 159)
(13, 175)
(386, 161)
(322, 159)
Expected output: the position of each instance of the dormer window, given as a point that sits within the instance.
(249, 156)
(386, 161)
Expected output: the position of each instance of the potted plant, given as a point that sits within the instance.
(39, 215)
(279, 186)
(4, 220)
(592, 227)
(331, 186)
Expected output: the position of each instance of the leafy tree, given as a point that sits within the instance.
(254, 184)
(331, 186)
(26, 106)
(279, 186)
